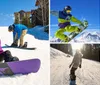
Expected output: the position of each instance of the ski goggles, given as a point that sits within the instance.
(68, 11)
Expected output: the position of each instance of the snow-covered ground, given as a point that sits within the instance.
(42, 52)
(89, 74)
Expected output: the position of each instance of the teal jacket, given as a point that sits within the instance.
(18, 28)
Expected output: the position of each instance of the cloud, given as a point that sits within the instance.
(13, 18)
(6, 15)
(6, 19)
(12, 15)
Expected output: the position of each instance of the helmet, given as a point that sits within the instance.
(11, 27)
(67, 8)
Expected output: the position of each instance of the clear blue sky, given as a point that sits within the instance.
(88, 9)
(8, 7)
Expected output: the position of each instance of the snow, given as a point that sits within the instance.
(42, 52)
(38, 32)
(88, 36)
(89, 74)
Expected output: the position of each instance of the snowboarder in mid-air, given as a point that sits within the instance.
(76, 62)
(19, 31)
(64, 18)
(6, 56)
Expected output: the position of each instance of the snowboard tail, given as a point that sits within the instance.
(20, 67)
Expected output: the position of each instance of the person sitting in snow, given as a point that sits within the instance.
(64, 19)
(19, 31)
(76, 62)
(6, 56)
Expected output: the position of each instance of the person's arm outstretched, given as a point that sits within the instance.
(73, 19)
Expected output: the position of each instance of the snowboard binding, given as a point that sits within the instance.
(84, 25)
(24, 46)
(81, 28)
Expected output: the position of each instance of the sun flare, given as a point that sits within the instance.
(77, 46)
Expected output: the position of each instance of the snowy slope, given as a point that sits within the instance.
(42, 52)
(38, 32)
(89, 74)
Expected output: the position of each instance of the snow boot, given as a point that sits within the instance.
(15, 58)
(7, 56)
(25, 45)
(14, 45)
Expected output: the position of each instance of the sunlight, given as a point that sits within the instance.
(76, 46)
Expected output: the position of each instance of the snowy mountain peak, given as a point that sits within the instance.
(86, 36)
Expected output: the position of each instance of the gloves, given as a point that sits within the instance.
(69, 65)
(68, 18)
(80, 65)
(14, 44)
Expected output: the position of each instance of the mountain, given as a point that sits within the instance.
(92, 36)
(54, 39)
(59, 70)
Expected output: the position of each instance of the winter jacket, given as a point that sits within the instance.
(77, 60)
(64, 19)
(18, 29)
(1, 51)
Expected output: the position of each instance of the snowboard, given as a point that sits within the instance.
(20, 67)
(82, 28)
(72, 80)
(8, 46)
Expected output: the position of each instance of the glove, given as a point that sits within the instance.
(68, 18)
(69, 65)
(80, 65)
(14, 44)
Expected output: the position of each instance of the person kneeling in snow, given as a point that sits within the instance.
(77, 61)
(6, 55)
(19, 31)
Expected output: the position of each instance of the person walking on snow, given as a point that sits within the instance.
(76, 62)
(64, 19)
(6, 56)
(19, 31)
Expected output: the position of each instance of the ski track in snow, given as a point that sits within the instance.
(89, 74)
(42, 52)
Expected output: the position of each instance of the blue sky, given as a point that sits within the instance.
(8, 7)
(81, 9)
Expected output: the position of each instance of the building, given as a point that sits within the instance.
(22, 17)
(41, 14)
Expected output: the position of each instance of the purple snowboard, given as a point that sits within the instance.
(20, 67)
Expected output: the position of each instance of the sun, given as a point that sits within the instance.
(76, 46)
